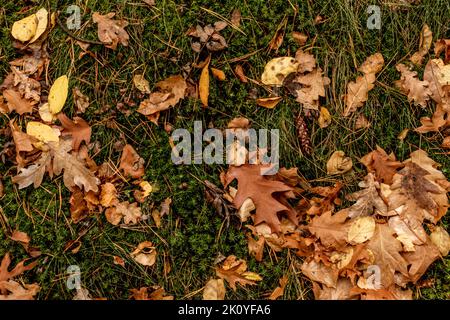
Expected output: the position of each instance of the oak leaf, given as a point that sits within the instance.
(416, 90)
(383, 165)
(235, 271)
(131, 163)
(330, 229)
(111, 32)
(252, 184)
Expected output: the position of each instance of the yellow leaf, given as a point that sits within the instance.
(42, 132)
(268, 103)
(251, 276)
(324, 118)
(45, 114)
(214, 290)
(277, 69)
(58, 94)
(203, 86)
(25, 29)
(218, 74)
(42, 21)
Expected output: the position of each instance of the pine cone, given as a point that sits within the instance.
(303, 135)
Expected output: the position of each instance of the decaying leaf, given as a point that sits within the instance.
(358, 90)
(131, 163)
(141, 83)
(111, 32)
(440, 238)
(145, 254)
(324, 117)
(235, 271)
(361, 229)
(416, 90)
(277, 69)
(426, 39)
(171, 91)
(268, 103)
(214, 290)
(339, 163)
(81, 101)
(203, 86)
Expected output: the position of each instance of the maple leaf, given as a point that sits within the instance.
(78, 129)
(131, 163)
(234, 271)
(416, 90)
(358, 91)
(383, 165)
(368, 200)
(386, 249)
(172, 90)
(252, 184)
(110, 31)
(330, 229)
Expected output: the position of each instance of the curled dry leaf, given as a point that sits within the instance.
(214, 290)
(131, 163)
(239, 71)
(426, 39)
(279, 291)
(81, 101)
(203, 85)
(171, 91)
(324, 117)
(299, 37)
(157, 293)
(141, 83)
(145, 254)
(108, 195)
(111, 32)
(440, 238)
(268, 103)
(218, 74)
(339, 163)
(20, 236)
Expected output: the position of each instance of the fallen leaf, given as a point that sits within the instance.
(324, 117)
(218, 74)
(383, 165)
(239, 71)
(426, 39)
(440, 238)
(236, 17)
(277, 69)
(268, 103)
(42, 22)
(330, 229)
(58, 94)
(299, 37)
(141, 83)
(81, 101)
(108, 195)
(339, 163)
(416, 90)
(361, 230)
(358, 91)
(25, 29)
(203, 86)
(171, 91)
(16, 103)
(234, 271)
(78, 129)
(145, 254)
(111, 32)
(214, 290)
(279, 291)
(42, 132)
(131, 163)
